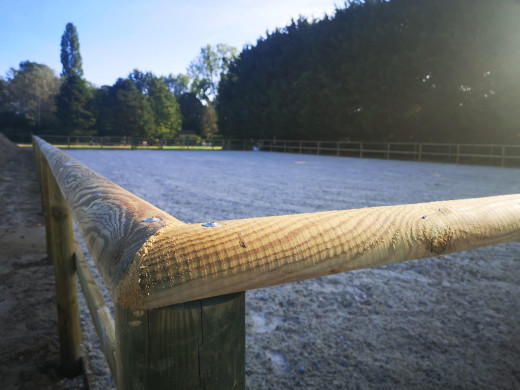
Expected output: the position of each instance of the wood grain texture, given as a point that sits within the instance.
(101, 317)
(62, 251)
(183, 263)
(43, 170)
(110, 219)
(192, 345)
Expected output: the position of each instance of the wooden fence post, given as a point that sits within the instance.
(194, 345)
(361, 150)
(419, 157)
(457, 157)
(503, 156)
(44, 190)
(388, 151)
(59, 221)
(318, 147)
(300, 147)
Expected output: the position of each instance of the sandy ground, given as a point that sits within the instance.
(449, 322)
(29, 351)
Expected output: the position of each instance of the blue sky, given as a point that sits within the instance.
(151, 35)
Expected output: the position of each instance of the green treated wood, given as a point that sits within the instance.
(194, 345)
(62, 251)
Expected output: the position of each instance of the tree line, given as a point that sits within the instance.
(381, 70)
(34, 100)
(439, 70)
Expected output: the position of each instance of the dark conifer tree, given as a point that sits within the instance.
(76, 97)
(398, 70)
(192, 112)
(70, 55)
(73, 106)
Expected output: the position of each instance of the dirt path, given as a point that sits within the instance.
(29, 352)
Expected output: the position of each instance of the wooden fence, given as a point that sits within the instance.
(485, 154)
(503, 155)
(179, 289)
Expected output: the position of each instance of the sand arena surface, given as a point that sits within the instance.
(446, 322)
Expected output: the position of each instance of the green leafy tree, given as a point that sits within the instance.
(206, 69)
(132, 114)
(209, 121)
(70, 55)
(4, 97)
(11, 123)
(167, 114)
(74, 106)
(30, 92)
(104, 109)
(178, 84)
(141, 80)
(192, 112)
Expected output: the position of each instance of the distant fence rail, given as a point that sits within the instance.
(458, 153)
(503, 155)
(179, 289)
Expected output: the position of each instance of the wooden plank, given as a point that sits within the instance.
(194, 345)
(43, 170)
(101, 317)
(113, 222)
(46, 207)
(62, 251)
(183, 263)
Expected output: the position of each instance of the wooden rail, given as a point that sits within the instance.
(457, 153)
(179, 288)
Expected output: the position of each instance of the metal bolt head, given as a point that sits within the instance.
(152, 219)
(211, 224)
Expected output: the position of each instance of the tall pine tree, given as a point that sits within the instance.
(75, 95)
(70, 55)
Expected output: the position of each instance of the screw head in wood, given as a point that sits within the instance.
(211, 224)
(152, 219)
